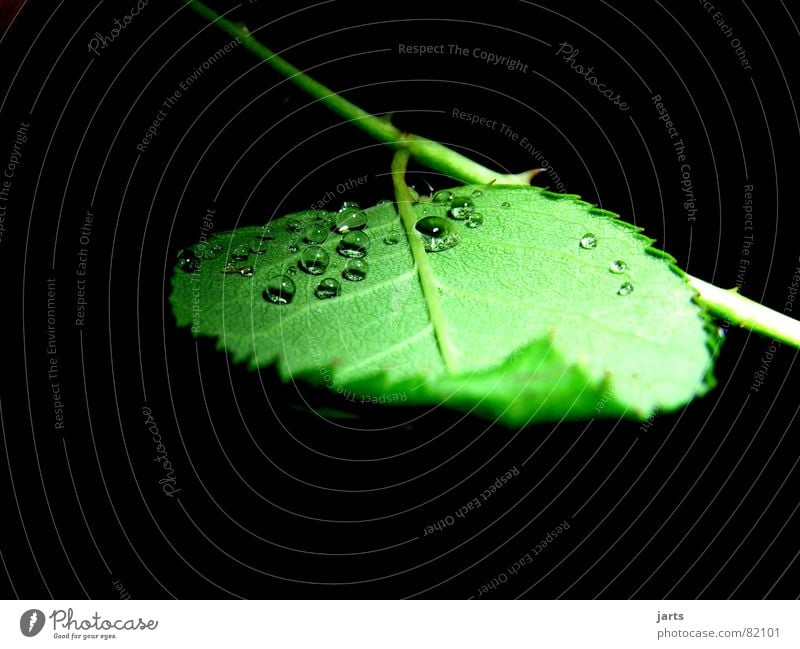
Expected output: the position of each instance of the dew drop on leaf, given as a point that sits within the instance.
(349, 205)
(280, 290)
(354, 244)
(188, 261)
(477, 193)
(625, 289)
(588, 241)
(505, 204)
(437, 233)
(328, 288)
(267, 233)
(315, 233)
(461, 208)
(314, 260)
(618, 267)
(210, 250)
(351, 219)
(259, 248)
(247, 271)
(442, 197)
(294, 246)
(355, 270)
(240, 253)
(385, 202)
(391, 239)
(294, 225)
(475, 221)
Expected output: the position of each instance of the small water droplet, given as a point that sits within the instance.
(240, 253)
(475, 221)
(294, 225)
(385, 202)
(625, 289)
(315, 233)
(189, 261)
(355, 270)
(437, 233)
(354, 244)
(314, 260)
(229, 268)
(328, 288)
(391, 239)
(443, 196)
(210, 250)
(618, 267)
(259, 248)
(292, 270)
(247, 271)
(280, 290)
(477, 193)
(461, 208)
(349, 205)
(351, 219)
(588, 241)
(266, 234)
(294, 246)
(505, 204)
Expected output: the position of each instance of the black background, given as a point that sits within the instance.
(274, 501)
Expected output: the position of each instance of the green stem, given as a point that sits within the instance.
(728, 305)
(740, 311)
(427, 280)
(427, 152)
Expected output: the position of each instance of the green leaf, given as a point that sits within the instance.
(550, 309)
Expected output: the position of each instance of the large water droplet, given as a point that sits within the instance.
(461, 208)
(437, 233)
(618, 267)
(314, 260)
(355, 270)
(351, 219)
(315, 233)
(189, 261)
(240, 253)
(354, 244)
(349, 205)
(280, 290)
(294, 225)
(442, 197)
(625, 289)
(588, 241)
(475, 221)
(328, 288)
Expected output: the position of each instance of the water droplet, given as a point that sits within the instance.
(351, 219)
(354, 244)
(280, 290)
(477, 193)
(294, 225)
(391, 239)
(230, 268)
(355, 270)
(505, 204)
(314, 260)
(437, 233)
(349, 205)
(475, 221)
(625, 289)
(443, 196)
(461, 208)
(292, 270)
(385, 202)
(259, 248)
(588, 241)
(294, 246)
(189, 261)
(267, 233)
(210, 250)
(618, 267)
(315, 233)
(247, 271)
(240, 253)
(328, 288)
